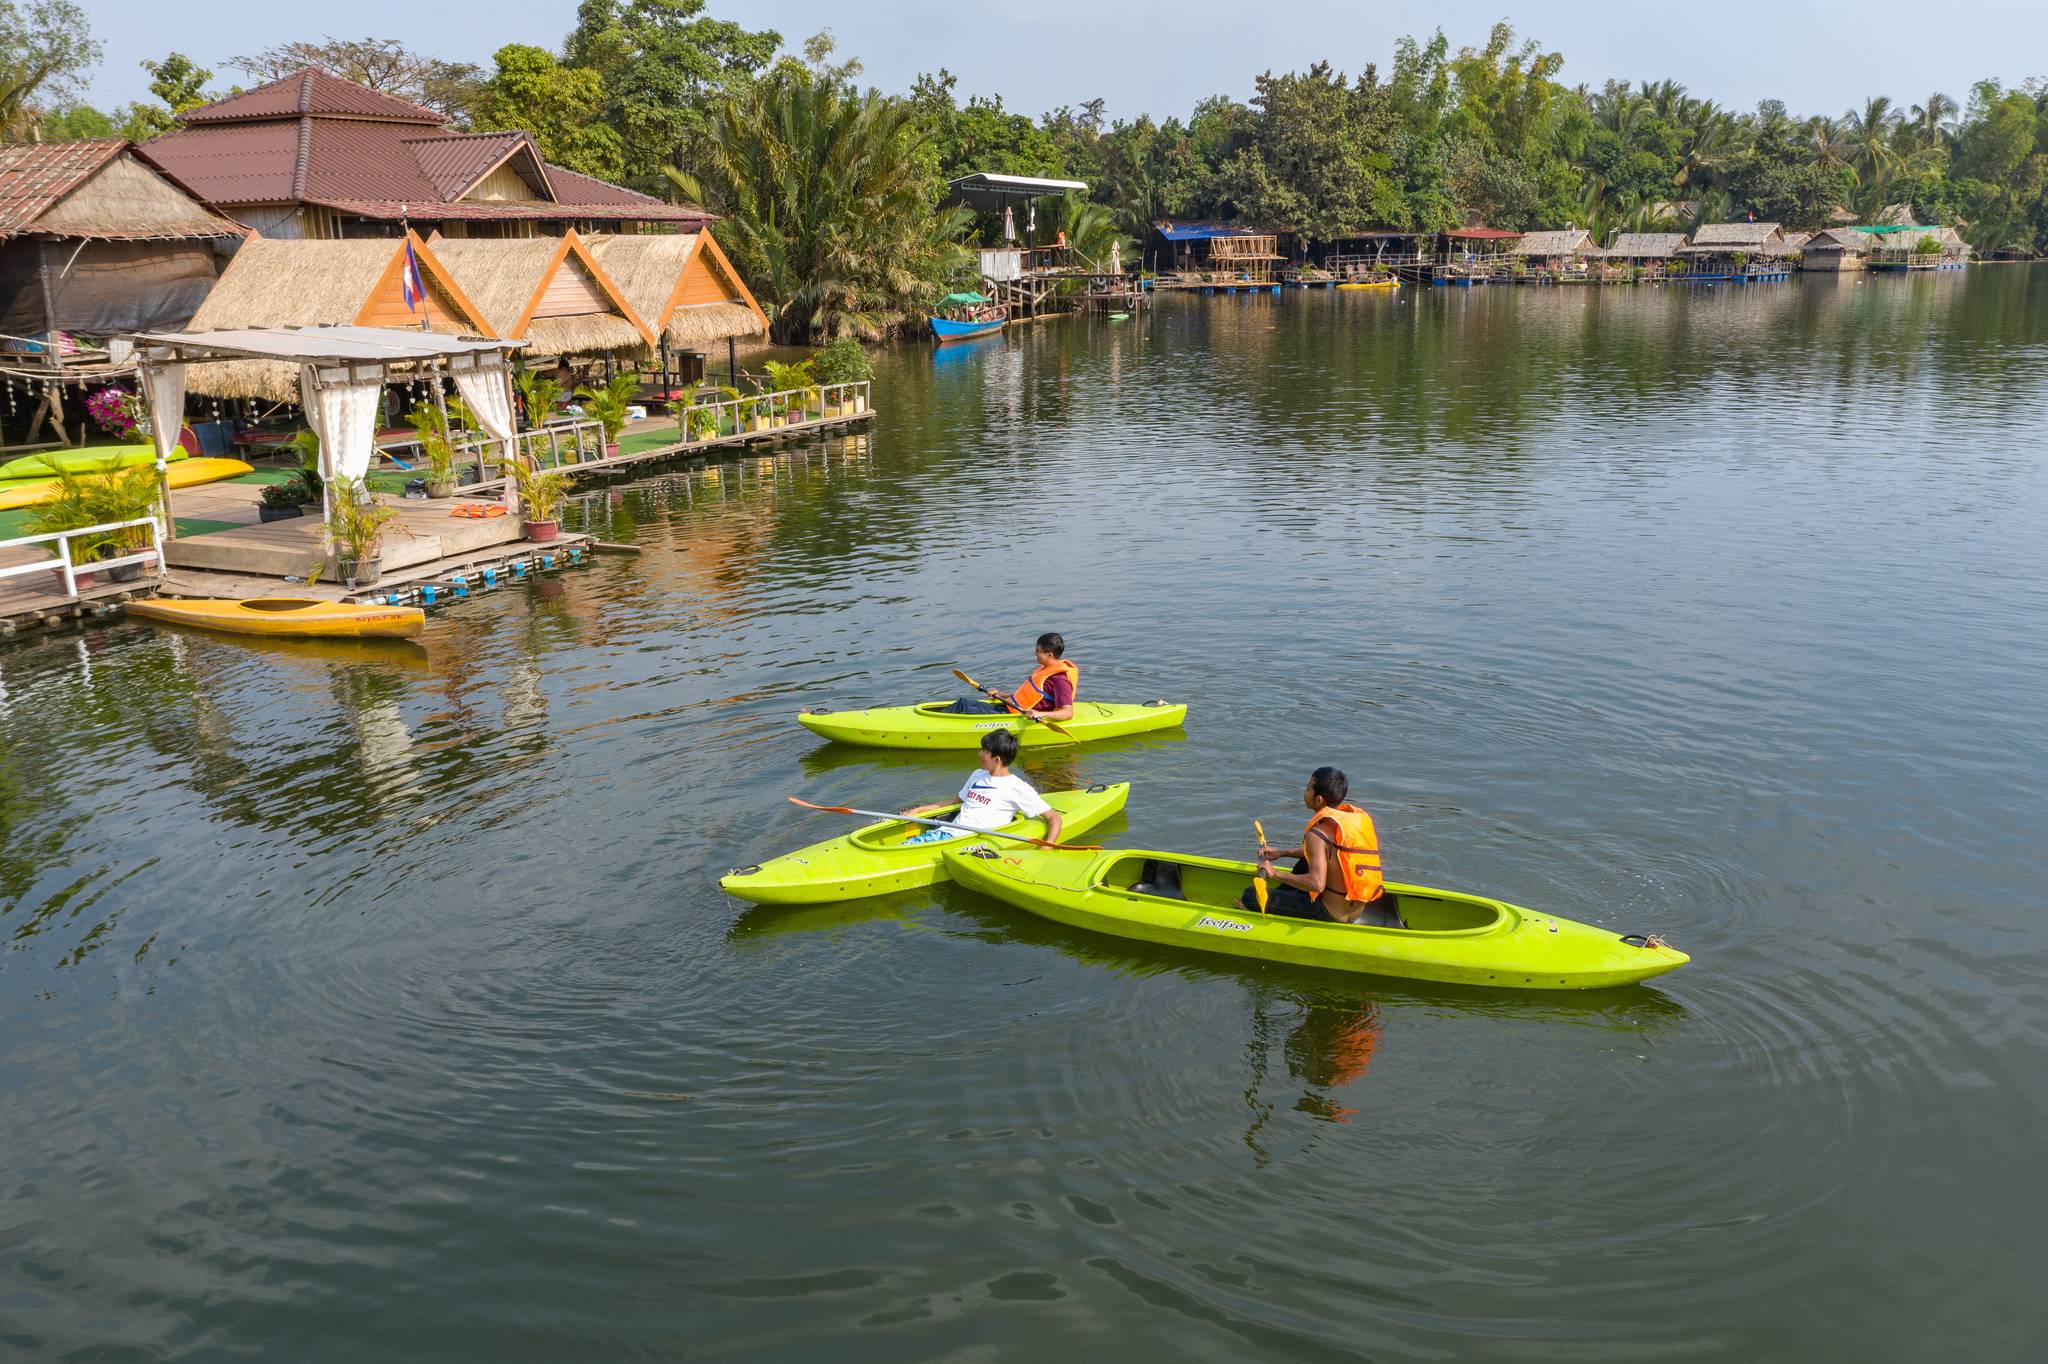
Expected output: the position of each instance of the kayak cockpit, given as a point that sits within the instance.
(280, 604)
(1214, 884)
(878, 837)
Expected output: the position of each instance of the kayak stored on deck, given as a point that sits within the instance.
(184, 473)
(284, 617)
(874, 859)
(1185, 901)
(933, 725)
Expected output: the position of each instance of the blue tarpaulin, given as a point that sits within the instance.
(1202, 232)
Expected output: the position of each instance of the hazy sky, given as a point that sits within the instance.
(1820, 56)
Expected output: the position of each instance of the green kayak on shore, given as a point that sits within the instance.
(1191, 902)
(933, 725)
(874, 860)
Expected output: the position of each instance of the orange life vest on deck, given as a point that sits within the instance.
(1355, 845)
(1032, 692)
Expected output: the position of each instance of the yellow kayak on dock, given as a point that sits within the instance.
(287, 617)
(184, 473)
(1372, 284)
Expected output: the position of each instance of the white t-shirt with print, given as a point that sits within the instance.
(990, 802)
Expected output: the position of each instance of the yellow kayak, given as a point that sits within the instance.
(279, 617)
(1372, 284)
(185, 473)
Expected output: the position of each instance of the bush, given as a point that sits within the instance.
(844, 361)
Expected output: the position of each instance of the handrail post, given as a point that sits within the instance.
(64, 559)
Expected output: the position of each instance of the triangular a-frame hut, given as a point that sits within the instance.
(548, 291)
(682, 285)
(283, 283)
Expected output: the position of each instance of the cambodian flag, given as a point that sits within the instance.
(414, 283)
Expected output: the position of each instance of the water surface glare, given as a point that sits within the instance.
(380, 1003)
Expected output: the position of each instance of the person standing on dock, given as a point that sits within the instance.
(1048, 693)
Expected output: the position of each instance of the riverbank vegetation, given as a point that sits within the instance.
(831, 191)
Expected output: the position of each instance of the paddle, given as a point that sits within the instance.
(947, 824)
(1259, 889)
(997, 696)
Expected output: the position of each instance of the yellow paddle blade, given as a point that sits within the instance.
(1259, 890)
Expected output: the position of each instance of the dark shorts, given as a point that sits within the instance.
(977, 705)
(1287, 902)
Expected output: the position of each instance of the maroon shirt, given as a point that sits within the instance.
(1059, 691)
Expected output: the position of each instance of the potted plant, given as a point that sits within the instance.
(70, 506)
(607, 403)
(280, 501)
(539, 395)
(844, 361)
(309, 482)
(540, 496)
(355, 525)
(128, 495)
(430, 424)
(700, 423)
(799, 384)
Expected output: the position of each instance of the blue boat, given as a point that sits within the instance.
(973, 315)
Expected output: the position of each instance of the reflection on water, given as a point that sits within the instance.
(334, 971)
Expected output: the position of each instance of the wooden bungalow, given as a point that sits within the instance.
(548, 291)
(1365, 255)
(1551, 255)
(281, 283)
(1836, 250)
(1472, 255)
(686, 292)
(94, 243)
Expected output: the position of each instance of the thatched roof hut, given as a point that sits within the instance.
(281, 283)
(1569, 241)
(1711, 238)
(95, 240)
(548, 291)
(681, 285)
(1645, 245)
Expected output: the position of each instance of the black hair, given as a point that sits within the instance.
(1001, 745)
(1053, 644)
(1329, 783)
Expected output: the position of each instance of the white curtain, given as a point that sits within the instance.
(166, 410)
(488, 394)
(345, 419)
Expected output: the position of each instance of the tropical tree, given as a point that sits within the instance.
(383, 64)
(560, 105)
(45, 47)
(827, 196)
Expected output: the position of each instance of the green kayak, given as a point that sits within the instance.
(874, 861)
(1190, 902)
(932, 726)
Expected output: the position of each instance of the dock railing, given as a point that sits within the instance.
(715, 418)
(67, 567)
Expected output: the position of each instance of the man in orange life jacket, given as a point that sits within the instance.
(1048, 693)
(1337, 876)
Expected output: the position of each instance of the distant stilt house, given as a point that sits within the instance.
(1030, 268)
(1546, 257)
(1916, 248)
(1649, 253)
(1375, 255)
(1215, 254)
(276, 283)
(689, 295)
(1472, 255)
(1738, 253)
(95, 243)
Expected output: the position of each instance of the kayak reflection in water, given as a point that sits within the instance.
(992, 798)
(1048, 693)
(1337, 876)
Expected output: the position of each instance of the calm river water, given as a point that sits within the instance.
(365, 1003)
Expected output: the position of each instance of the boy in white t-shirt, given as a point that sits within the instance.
(993, 797)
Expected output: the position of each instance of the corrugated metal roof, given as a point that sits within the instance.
(309, 91)
(35, 175)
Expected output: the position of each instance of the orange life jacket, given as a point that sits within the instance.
(1032, 692)
(1356, 846)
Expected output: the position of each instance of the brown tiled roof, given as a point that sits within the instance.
(37, 176)
(309, 91)
(515, 210)
(247, 164)
(455, 161)
(576, 187)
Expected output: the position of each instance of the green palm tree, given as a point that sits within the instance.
(1931, 121)
(827, 205)
(1869, 133)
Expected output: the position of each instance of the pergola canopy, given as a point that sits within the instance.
(986, 190)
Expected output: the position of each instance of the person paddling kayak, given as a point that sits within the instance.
(993, 797)
(1048, 693)
(1337, 875)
